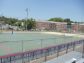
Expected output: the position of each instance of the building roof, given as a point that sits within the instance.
(57, 22)
(67, 58)
(50, 21)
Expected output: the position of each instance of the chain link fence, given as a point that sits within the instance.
(31, 50)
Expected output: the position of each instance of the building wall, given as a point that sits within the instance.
(58, 26)
(61, 27)
(42, 25)
(51, 26)
(75, 27)
(81, 28)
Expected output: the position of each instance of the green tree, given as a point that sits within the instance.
(18, 23)
(57, 19)
(30, 23)
(10, 21)
(68, 22)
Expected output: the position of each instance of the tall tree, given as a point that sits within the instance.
(56, 19)
(68, 22)
(10, 21)
(31, 24)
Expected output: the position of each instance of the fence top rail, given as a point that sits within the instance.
(27, 52)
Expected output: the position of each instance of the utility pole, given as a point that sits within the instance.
(1, 22)
(26, 18)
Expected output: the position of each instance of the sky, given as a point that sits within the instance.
(43, 9)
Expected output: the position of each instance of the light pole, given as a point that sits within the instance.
(26, 18)
(1, 25)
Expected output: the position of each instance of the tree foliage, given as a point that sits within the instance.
(30, 23)
(10, 21)
(68, 22)
(58, 19)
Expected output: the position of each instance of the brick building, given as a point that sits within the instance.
(49, 25)
(58, 26)
(81, 27)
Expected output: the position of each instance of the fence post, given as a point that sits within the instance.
(1, 60)
(67, 48)
(28, 57)
(73, 46)
(33, 55)
(41, 47)
(58, 51)
(10, 59)
(45, 55)
(83, 50)
(22, 52)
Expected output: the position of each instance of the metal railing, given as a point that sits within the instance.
(42, 51)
